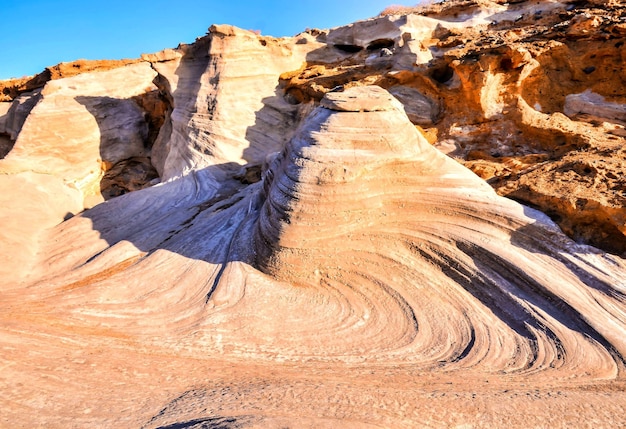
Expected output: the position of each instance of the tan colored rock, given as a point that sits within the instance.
(225, 100)
(420, 109)
(12, 88)
(82, 122)
(363, 255)
(18, 111)
(366, 280)
(360, 99)
(584, 25)
(4, 109)
(595, 105)
(6, 144)
(496, 80)
(37, 202)
(71, 131)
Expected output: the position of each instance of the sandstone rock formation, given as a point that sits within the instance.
(494, 78)
(66, 135)
(296, 253)
(219, 85)
(12, 88)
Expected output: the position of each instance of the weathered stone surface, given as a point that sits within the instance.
(67, 135)
(420, 109)
(18, 111)
(362, 247)
(4, 109)
(594, 105)
(225, 102)
(6, 144)
(80, 124)
(128, 175)
(360, 99)
(12, 88)
(492, 81)
(348, 274)
(37, 202)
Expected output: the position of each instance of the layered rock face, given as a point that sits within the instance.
(224, 99)
(297, 251)
(495, 84)
(65, 136)
(350, 212)
(326, 183)
(351, 252)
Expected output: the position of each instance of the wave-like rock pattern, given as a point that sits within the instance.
(427, 260)
(377, 250)
(365, 276)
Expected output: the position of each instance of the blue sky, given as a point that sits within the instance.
(38, 33)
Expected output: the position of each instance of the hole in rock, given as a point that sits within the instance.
(155, 105)
(134, 172)
(442, 74)
(294, 96)
(506, 64)
(380, 44)
(126, 176)
(250, 174)
(588, 70)
(137, 172)
(349, 48)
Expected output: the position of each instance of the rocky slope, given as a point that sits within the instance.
(526, 94)
(284, 244)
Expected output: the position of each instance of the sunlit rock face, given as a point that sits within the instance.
(498, 86)
(353, 251)
(302, 254)
(344, 208)
(325, 184)
(225, 102)
(65, 136)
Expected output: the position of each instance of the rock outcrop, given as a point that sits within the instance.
(226, 107)
(12, 88)
(66, 135)
(495, 82)
(284, 242)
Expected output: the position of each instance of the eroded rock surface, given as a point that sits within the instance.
(12, 88)
(353, 255)
(492, 81)
(282, 245)
(66, 135)
(225, 106)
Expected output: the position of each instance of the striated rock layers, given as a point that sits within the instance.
(224, 97)
(362, 251)
(499, 86)
(297, 251)
(67, 135)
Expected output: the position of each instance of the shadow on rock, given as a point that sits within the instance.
(127, 132)
(212, 423)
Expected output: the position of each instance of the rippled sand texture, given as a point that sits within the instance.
(366, 281)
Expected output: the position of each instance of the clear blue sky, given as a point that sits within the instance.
(35, 34)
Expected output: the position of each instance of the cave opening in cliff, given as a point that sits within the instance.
(506, 64)
(137, 172)
(380, 44)
(442, 74)
(352, 49)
